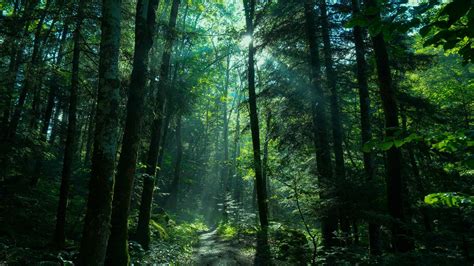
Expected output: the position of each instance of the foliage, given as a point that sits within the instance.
(162, 234)
(206, 158)
(176, 247)
(452, 28)
(226, 231)
(449, 199)
(290, 245)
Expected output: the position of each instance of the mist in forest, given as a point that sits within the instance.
(228, 132)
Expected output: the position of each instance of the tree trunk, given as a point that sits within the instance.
(117, 253)
(416, 174)
(331, 77)
(366, 128)
(90, 135)
(99, 206)
(16, 54)
(266, 172)
(10, 87)
(323, 157)
(225, 142)
(174, 188)
(143, 231)
(161, 153)
(55, 123)
(53, 90)
(236, 153)
(260, 182)
(30, 77)
(400, 238)
(70, 149)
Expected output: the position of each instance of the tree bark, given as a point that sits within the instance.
(236, 175)
(265, 168)
(400, 237)
(225, 142)
(331, 77)
(30, 77)
(323, 157)
(16, 54)
(99, 206)
(366, 128)
(174, 188)
(249, 6)
(117, 250)
(70, 149)
(53, 90)
(143, 231)
(10, 87)
(90, 134)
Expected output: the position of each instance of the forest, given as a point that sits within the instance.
(236, 132)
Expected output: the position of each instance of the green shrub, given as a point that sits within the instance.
(226, 230)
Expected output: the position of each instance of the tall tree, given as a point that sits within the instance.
(96, 230)
(19, 28)
(331, 77)
(174, 187)
(249, 6)
(53, 90)
(117, 253)
(237, 180)
(320, 123)
(400, 238)
(71, 141)
(143, 231)
(225, 133)
(366, 128)
(30, 76)
(336, 124)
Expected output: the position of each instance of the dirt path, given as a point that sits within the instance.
(212, 250)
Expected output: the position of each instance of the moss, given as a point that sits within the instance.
(159, 229)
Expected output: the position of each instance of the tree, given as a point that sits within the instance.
(117, 253)
(53, 90)
(337, 133)
(71, 141)
(174, 187)
(143, 231)
(19, 27)
(366, 131)
(400, 237)
(323, 157)
(30, 77)
(99, 205)
(249, 6)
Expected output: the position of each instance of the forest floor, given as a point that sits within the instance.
(212, 249)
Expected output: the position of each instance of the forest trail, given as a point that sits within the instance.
(213, 250)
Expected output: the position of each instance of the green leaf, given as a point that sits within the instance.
(398, 143)
(448, 199)
(385, 146)
(367, 147)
